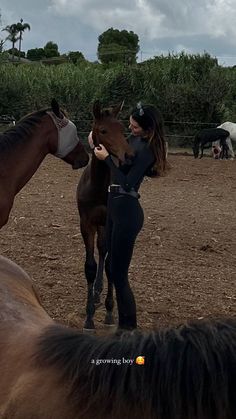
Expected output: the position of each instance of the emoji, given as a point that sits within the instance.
(140, 360)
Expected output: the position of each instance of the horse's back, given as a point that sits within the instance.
(211, 134)
(10, 268)
(36, 394)
(22, 319)
(231, 127)
(18, 298)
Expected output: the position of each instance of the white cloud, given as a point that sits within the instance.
(161, 25)
(154, 19)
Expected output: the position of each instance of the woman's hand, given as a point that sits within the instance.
(101, 152)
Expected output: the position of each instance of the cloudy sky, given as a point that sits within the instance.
(163, 26)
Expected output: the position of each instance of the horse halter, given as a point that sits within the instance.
(67, 135)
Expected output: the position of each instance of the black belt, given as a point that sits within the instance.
(117, 189)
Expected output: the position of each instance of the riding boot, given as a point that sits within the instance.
(127, 322)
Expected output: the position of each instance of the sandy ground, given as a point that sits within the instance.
(184, 265)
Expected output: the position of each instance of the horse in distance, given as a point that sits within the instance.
(92, 194)
(50, 371)
(204, 138)
(24, 146)
(231, 128)
(7, 120)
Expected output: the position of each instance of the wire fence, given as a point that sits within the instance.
(178, 133)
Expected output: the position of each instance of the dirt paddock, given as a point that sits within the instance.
(184, 265)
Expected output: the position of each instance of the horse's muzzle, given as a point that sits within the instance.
(78, 163)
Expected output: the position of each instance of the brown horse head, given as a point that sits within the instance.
(109, 131)
(24, 146)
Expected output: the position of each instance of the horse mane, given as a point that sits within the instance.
(21, 131)
(106, 112)
(189, 371)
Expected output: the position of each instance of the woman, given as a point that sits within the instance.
(124, 213)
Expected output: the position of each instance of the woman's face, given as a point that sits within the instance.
(135, 128)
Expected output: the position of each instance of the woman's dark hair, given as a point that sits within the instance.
(150, 120)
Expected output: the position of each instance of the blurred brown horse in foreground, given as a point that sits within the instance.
(24, 146)
(50, 371)
(92, 194)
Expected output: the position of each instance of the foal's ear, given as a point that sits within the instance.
(97, 109)
(55, 108)
(118, 108)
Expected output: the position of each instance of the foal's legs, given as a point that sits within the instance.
(98, 285)
(88, 232)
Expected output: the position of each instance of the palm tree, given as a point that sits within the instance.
(12, 37)
(21, 28)
(2, 42)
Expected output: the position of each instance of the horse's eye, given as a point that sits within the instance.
(103, 131)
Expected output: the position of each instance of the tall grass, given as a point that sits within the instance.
(184, 87)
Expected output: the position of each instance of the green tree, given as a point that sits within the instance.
(75, 56)
(35, 54)
(21, 27)
(15, 52)
(13, 37)
(2, 41)
(51, 50)
(118, 46)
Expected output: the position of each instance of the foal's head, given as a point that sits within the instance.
(107, 130)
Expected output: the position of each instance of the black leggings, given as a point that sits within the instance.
(124, 222)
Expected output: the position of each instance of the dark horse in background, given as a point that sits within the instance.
(50, 371)
(206, 137)
(92, 194)
(24, 146)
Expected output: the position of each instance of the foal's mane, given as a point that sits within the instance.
(21, 131)
(189, 371)
(108, 112)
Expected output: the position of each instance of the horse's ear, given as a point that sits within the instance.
(55, 108)
(97, 109)
(118, 108)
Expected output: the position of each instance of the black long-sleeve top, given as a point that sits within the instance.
(131, 173)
